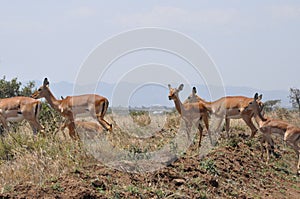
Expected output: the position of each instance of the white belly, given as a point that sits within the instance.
(233, 114)
(13, 115)
(81, 112)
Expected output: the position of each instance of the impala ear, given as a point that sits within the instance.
(169, 86)
(180, 87)
(256, 96)
(260, 97)
(194, 91)
(46, 82)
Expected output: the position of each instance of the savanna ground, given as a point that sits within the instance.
(58, 167)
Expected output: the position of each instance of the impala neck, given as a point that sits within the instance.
(259, 121)
(208, 105)
(54, 103)
(178, 105)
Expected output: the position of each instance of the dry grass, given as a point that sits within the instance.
(25, 158)
(38, 161)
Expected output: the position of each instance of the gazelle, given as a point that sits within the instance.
(70, 106)
(17, 109)
(269, 126)
(190, 112)
(230, 107)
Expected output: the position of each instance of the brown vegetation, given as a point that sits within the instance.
(62, 168)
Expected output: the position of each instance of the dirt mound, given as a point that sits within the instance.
(232, 170)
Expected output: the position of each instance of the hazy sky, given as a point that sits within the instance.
(253, 43)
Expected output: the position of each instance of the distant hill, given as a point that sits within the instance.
(150, 95)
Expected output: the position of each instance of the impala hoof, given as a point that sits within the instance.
(109, 128)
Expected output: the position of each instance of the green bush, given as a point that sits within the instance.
(14, 88)
(50, 119)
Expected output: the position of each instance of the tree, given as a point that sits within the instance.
(295, 98)
(270, 105)
(28, 89)
(14, 88)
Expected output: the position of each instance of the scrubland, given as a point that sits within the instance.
(104, 165)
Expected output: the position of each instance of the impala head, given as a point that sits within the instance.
(256, 106)
(258, 102)
(193, 97)
(174, 91)
(42, 91)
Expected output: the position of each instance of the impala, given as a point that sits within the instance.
(17, 109)
(190, 112)
(230, 107)
(269, 126)
(89, 126)
(70, 106)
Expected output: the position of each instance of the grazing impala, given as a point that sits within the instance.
(269, 126)
(190, 112)
(16, 109)
(230, 107)
(70, 106)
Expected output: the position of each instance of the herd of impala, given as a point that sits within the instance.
(192, 111)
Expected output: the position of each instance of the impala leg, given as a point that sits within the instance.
(71, 127)
(293, 143)
(34, 130)
(227, 125)
(266, 138)
(270, 147)
(3, 122)
(200, 134)
(104, 123)
(64, 125)
(218, 129)
(262, 141)
(36, 126)
(298, 165)
(100, 111)
(70, 123)
(206, 122)
(62, 128)
(249, 122)
(188, 125)
(268, 155)
(72, 132)
(297, 150)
